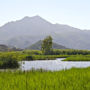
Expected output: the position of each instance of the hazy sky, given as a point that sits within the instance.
(75, 13)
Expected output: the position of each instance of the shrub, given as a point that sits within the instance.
(29, 57)
(8, 61)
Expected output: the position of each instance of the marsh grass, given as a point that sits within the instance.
(73, 79)
(78, 58)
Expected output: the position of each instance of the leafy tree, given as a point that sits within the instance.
(47, 45)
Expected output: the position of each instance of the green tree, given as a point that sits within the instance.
(47, 45)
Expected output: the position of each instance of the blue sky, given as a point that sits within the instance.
(75, 13)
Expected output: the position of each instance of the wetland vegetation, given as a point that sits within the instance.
(73, 79)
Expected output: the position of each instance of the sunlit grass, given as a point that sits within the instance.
(78, 58)
(73, 79)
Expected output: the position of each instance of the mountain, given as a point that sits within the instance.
(4, 48)
(8, 48)
(23, 33)
(37, 46)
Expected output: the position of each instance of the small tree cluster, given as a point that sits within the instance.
(47, 45)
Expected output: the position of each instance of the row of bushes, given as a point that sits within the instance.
(58, 52)
(70, 52)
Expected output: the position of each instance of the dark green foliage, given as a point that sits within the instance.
(29, 58)
(8, 61)
(47, 45)
(70, 52)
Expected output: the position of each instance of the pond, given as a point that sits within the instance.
(53, 65)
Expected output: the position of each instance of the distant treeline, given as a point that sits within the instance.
(71, 52)
(59, 52)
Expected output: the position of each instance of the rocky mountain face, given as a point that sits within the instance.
(25, 32)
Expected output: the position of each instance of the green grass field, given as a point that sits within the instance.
(78, 58)
(73, 79)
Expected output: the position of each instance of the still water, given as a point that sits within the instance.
(53, 65)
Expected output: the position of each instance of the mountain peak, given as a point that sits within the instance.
(37, 19)
(37, 16)
(34, 17)
(26, 17)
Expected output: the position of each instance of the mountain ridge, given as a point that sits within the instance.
(25, 32)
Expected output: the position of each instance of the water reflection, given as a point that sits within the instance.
(53, 65)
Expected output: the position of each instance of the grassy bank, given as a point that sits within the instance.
(78, 58)
(45, 57)
(73, 79)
